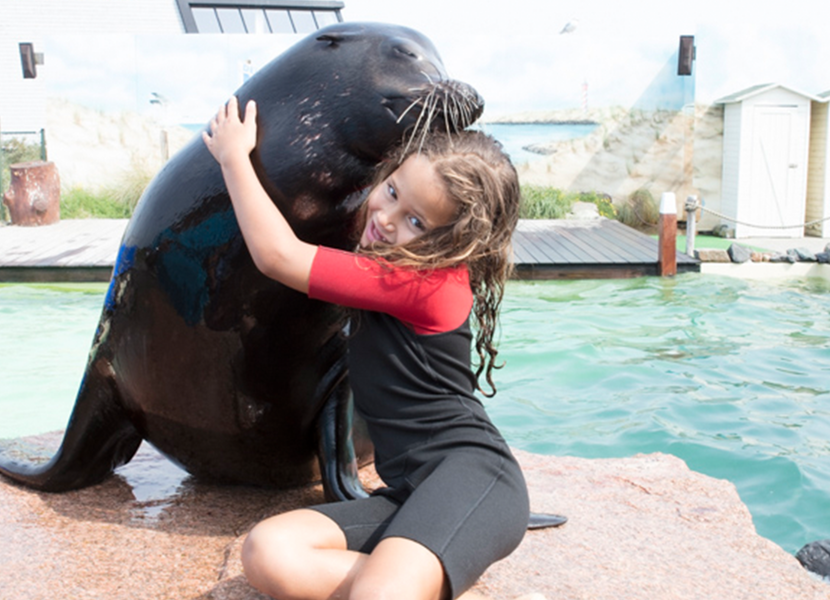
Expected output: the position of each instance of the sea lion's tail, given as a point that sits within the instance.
(99, 437)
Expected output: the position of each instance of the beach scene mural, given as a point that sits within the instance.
(586, 97)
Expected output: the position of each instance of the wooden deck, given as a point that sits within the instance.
(596, 249)
(85, 250)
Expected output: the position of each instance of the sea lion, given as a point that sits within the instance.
(229, 374)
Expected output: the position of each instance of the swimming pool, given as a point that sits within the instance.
(732, 376)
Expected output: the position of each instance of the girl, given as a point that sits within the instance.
(434, 249)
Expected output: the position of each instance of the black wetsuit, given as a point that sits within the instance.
(453, 485)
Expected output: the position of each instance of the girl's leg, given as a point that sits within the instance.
(300, 555)
(399, 569)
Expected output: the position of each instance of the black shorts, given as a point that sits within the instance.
(470, 511)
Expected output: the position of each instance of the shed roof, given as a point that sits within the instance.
(825, 96)
(760, 89)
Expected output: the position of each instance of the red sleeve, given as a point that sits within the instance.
(431, 302)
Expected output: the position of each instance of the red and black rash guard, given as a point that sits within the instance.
(454, 486)
(409, 361)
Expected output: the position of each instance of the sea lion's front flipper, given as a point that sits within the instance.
(99, 437)
(338, 461)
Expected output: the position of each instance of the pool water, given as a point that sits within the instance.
(732, 376)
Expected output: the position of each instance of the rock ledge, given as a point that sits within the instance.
(643, 527)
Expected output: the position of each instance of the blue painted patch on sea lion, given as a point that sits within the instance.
(184, 268)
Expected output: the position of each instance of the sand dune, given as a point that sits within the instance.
(662, 151)
(94, 149)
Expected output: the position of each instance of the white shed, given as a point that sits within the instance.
(818, 174)
(766, 135)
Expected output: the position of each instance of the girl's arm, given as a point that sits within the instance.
(274, 247)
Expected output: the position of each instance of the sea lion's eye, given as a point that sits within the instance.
(402, 49)
(332, 38)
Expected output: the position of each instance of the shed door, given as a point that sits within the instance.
(778, 172)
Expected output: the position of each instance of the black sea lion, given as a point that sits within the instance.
(231, 375)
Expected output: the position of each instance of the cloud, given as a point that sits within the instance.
(515, 58)
(120, 72)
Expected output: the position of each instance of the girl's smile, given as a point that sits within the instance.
(410, 202)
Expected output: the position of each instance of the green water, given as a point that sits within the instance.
(732, 376)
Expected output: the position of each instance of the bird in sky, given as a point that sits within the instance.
(569, 26)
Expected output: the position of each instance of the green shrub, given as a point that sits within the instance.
(544, 203)
(640, 211)
(129, 189)
(79, 203)
(603, 202)
(116, 201)
(550, 203)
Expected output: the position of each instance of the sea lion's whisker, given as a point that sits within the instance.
(408, 108)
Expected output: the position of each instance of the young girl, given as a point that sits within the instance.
(434, 250)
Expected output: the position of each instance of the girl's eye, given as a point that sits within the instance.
(392, 191)
(417, 223)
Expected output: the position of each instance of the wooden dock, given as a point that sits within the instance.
(85, 250)
(589, 249)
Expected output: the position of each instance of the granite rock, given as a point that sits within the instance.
(716, 255)
(815, 557)
(738, 253)
(781, 257)
(805, 255)
(642, 527)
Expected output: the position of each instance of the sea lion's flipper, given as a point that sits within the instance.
(338, 462)
(543, 520)
(99, 437)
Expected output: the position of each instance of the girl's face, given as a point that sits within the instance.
(407, 204)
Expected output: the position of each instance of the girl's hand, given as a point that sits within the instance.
(230, 138)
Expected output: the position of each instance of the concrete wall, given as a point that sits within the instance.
(22, 101)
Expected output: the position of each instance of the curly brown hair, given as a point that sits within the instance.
(480, 179)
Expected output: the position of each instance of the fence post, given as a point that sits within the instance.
(691, 224)
(667, 252)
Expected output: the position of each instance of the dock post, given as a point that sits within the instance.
(667, 253)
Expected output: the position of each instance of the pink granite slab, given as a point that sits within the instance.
(644, 527)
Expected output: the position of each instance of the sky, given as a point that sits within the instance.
(513, 53)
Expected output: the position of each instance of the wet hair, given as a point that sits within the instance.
(479, 178)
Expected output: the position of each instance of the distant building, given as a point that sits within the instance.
(25, 23)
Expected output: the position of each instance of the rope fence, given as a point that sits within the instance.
(692, 204)
(728, 218)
